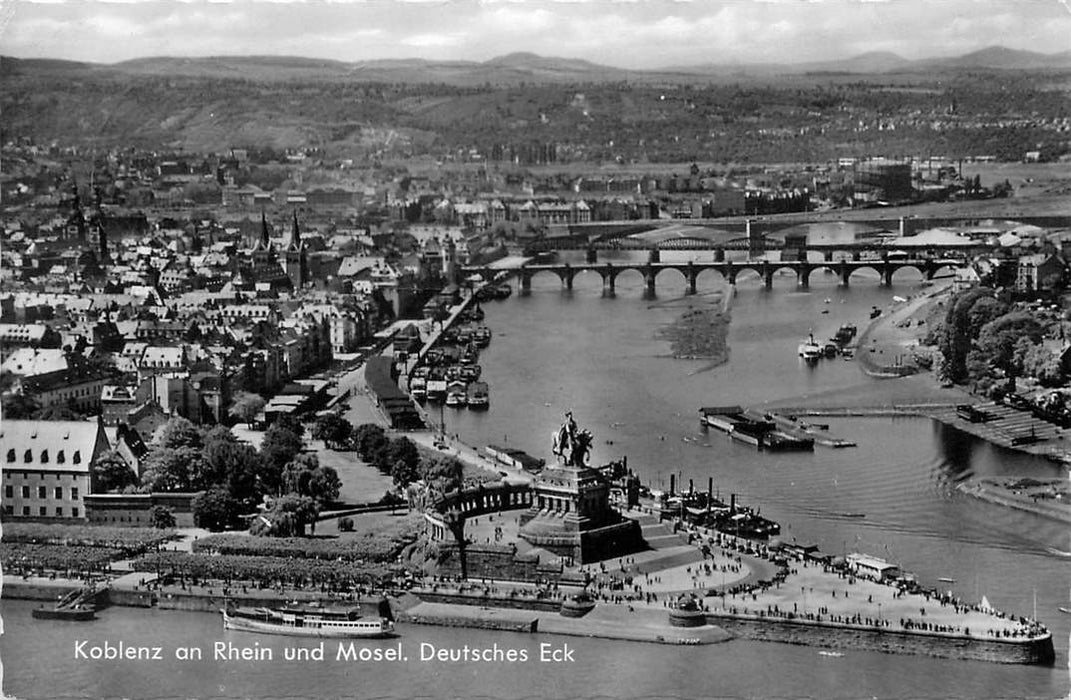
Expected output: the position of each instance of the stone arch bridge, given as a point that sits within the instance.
(729, 270)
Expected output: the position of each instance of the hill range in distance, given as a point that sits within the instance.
(531, 68)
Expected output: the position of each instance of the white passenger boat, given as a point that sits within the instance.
(306, 622)
(810, 350)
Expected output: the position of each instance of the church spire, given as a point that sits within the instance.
(264, 239)
(295, 235)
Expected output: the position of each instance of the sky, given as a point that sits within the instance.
(625, 33)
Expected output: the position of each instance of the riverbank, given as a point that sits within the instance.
(1050, 498)
(890, 346)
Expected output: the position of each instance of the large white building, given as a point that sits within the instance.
(46, 467)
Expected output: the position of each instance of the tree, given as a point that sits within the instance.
(214, 509)
(444, 473)
(959, 333)
(324, 485)
(334, 430)
(403, 457)
(220, 433)
(110, 472)
(997, 341)
(174, 469)
(982, 312)
(161, 517)
(278, 448)
(20, 406)
(292, 424)
(246, 406)
(179, 433)
(1042, 363)
(234, 465)
(288, 516)
(305, 477)
(369, 439)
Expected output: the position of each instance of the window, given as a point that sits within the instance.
(60, 457)
(42, 492)
(77, 459)
(44, 456)
(74, 512)
(11, 455)
(42, 511)
(9, 491)
(28, 457)
(74, 493)
(9, 510)
(26, 510)
(25, 491)
(59, 492)
(59, 512)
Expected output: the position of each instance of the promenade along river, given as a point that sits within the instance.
(555, 351)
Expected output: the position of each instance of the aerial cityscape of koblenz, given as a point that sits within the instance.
(562, 350)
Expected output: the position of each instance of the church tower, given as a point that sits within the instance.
(97, 228)
(263, 253)
(297, 265)
(76, 223)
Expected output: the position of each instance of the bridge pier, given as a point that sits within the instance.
(567, 276)
(756, 241)
(803, 277)
(886, 273)
(649, 281)
(844, 273)
(693, 277)
(767, 274)
(526, 284)
(609, 279)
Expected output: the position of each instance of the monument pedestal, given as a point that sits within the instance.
(571, 516)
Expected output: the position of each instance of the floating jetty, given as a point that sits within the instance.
(811, 431)
(76, 606)
(753, 429)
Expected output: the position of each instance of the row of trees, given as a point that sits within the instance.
(400, 458)
(397, 457)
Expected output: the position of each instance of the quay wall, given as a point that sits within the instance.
(189, 601)
(51, 592)
(552, 606)
(482, 623)
(835, 636)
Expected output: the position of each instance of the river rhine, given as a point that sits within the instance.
(555, 351)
